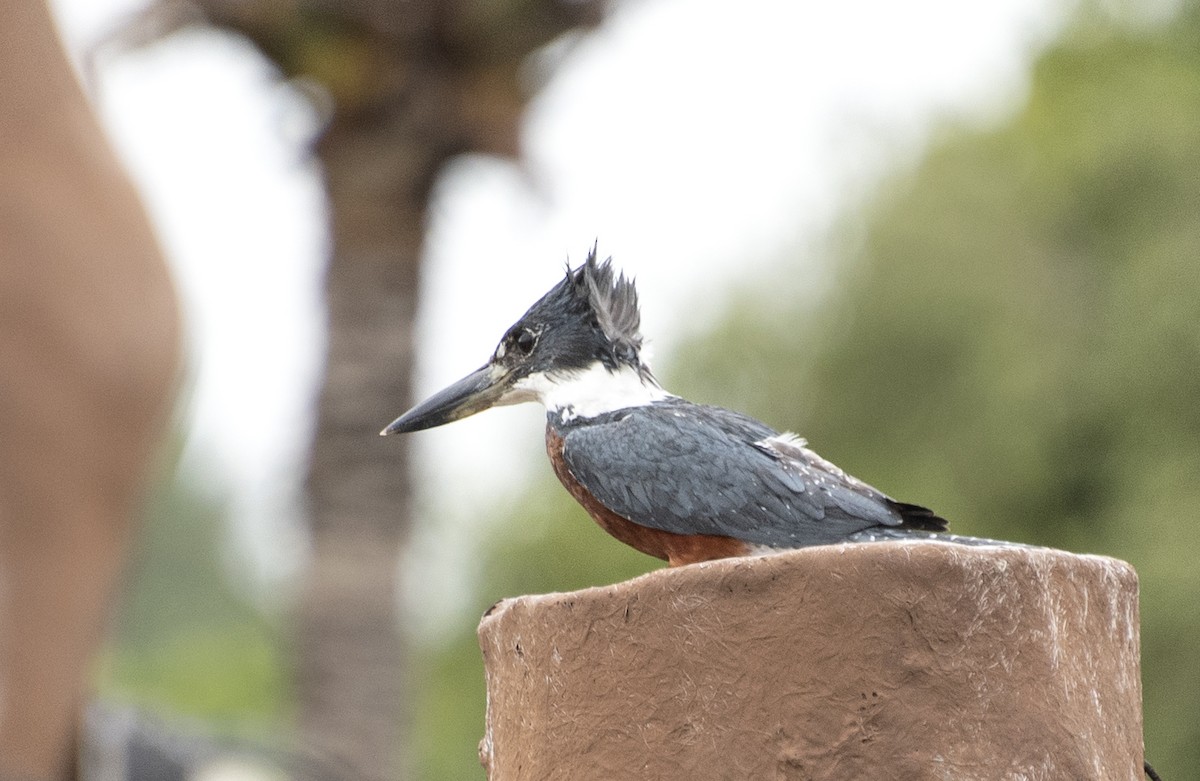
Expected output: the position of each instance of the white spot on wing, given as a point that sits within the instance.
(789, 448)
(786, 439)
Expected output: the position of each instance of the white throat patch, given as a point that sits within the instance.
(590, 392)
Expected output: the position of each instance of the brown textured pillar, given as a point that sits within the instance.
(888, 660)
(89, 355)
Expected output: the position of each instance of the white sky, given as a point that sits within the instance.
(697, 143)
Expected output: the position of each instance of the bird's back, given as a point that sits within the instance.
(689, 469)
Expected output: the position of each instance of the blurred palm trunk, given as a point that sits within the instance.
(349, 651)
(413, 84)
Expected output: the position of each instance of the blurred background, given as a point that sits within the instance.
(956, 246)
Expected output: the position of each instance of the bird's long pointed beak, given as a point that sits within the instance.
(479, 390)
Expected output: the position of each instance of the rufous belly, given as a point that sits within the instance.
(676, 549)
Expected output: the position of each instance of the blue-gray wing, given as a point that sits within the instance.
(692, 469)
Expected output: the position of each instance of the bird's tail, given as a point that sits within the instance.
(898, 533)
(918, 518)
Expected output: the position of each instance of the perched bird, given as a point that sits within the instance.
(680, 481)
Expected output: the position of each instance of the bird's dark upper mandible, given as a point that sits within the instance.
(681, 481)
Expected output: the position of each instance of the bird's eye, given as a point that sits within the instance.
(525, 341)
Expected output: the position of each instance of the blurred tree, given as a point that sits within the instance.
(411, 84)
(1011, 334)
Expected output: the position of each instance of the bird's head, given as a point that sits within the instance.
(577, 350)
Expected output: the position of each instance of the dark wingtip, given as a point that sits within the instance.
(914, 516)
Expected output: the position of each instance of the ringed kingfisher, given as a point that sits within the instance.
(676, 480)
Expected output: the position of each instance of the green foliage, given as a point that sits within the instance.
(230, 674)
(186, 642)
(1013, 339)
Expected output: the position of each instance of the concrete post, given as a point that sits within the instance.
(870, 661)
